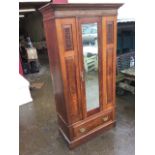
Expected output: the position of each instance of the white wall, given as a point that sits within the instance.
(24, 95)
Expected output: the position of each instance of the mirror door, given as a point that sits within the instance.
(90, 29)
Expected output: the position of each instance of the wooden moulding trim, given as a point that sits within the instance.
(60, 117)
(72, 6)
(72, 16)
(72, 144)
(64, 135)
(49, 18)
(47, 15)
(84, 13)
(80, 10)
(93, 111)
(44, 8)
(109, 108)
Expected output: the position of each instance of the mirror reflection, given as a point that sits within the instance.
(90, 55)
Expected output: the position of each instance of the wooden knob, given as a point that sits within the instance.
(82, 130)
(105, 118)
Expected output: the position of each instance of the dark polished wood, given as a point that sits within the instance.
(99, 28)
(62, 24)
(74, 143)
(80, 10)
(81, 6)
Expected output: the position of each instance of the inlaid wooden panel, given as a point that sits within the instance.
(109, 60)
(110, 32)
(72, 88)
(68, 41)
(109, 78)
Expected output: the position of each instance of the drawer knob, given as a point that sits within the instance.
(105, 118)
(82, 130)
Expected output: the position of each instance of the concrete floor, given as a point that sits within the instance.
(39, 130)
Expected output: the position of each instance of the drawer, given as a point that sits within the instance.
(89, 125)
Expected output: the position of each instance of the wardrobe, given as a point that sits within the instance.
(81, 41)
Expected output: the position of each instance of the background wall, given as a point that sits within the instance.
(32, 26)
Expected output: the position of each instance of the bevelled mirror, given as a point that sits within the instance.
(90, 56)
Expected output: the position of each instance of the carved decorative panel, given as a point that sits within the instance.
(109, 77)
(110, 32)
(68, 40)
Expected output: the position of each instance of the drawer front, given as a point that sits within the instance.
(80, 130)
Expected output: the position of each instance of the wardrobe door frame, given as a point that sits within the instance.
(107, 47)
(87, 20)
(69, 67)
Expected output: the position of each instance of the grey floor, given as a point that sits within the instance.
(39, 130)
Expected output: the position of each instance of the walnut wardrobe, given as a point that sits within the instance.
(81, 41)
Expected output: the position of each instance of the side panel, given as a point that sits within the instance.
(50, 33)
(109, 78)
(109, 60)
(67, 42)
